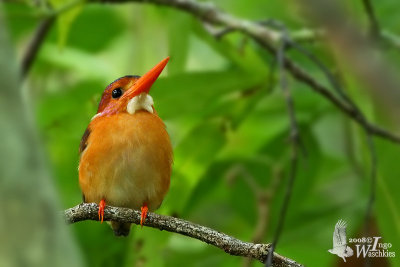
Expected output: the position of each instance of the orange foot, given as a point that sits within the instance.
(143, 216)
(102, 205)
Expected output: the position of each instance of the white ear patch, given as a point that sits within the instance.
(139, 102)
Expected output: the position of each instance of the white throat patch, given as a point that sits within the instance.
(139, 102)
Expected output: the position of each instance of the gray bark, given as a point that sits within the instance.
(231, 245)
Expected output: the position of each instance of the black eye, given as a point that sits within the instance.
(116, 93)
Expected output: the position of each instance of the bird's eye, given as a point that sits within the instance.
(116, 93)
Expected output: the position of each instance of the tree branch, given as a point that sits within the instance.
(268, 39)
(376, 73)
(231, 245)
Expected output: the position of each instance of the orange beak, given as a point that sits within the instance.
(145, 82)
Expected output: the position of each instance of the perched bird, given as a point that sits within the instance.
(340, 247)
(125, 152)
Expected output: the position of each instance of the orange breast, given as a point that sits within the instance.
(127, 161)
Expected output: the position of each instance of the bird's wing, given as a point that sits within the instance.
(83, 144)
(349, 251)
(339, 235)
(82, 147)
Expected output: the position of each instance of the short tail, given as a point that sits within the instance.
(121, 229)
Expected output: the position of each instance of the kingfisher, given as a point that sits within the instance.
(126, 153)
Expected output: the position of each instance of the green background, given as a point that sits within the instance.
(228, 122)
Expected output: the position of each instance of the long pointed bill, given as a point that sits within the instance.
(146, 81)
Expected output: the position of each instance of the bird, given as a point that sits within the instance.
(125, 153)
(340, 247)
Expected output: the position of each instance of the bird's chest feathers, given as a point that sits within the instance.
(128, 147)
(125, 158)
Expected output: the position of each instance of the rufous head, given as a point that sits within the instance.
(130, 93)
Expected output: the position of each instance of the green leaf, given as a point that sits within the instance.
(247, 59)
(192, 157)
(70, 10)
(388, 198)
(194, 93)
(178, 40)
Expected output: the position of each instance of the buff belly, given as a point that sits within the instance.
(127, 161)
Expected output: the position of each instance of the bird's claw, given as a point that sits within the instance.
(144, 209)
(102, 205)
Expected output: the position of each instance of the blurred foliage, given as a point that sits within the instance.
(223, 108)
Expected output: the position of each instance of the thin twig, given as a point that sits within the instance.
(301, 75)
(376, 73)
(264, 198)
(373, 177)
(349, 148)
(231, 245)
(295, 143)
(373, 22)
(262, 195)
(35, 44)
(351, 44)
(372, 194)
